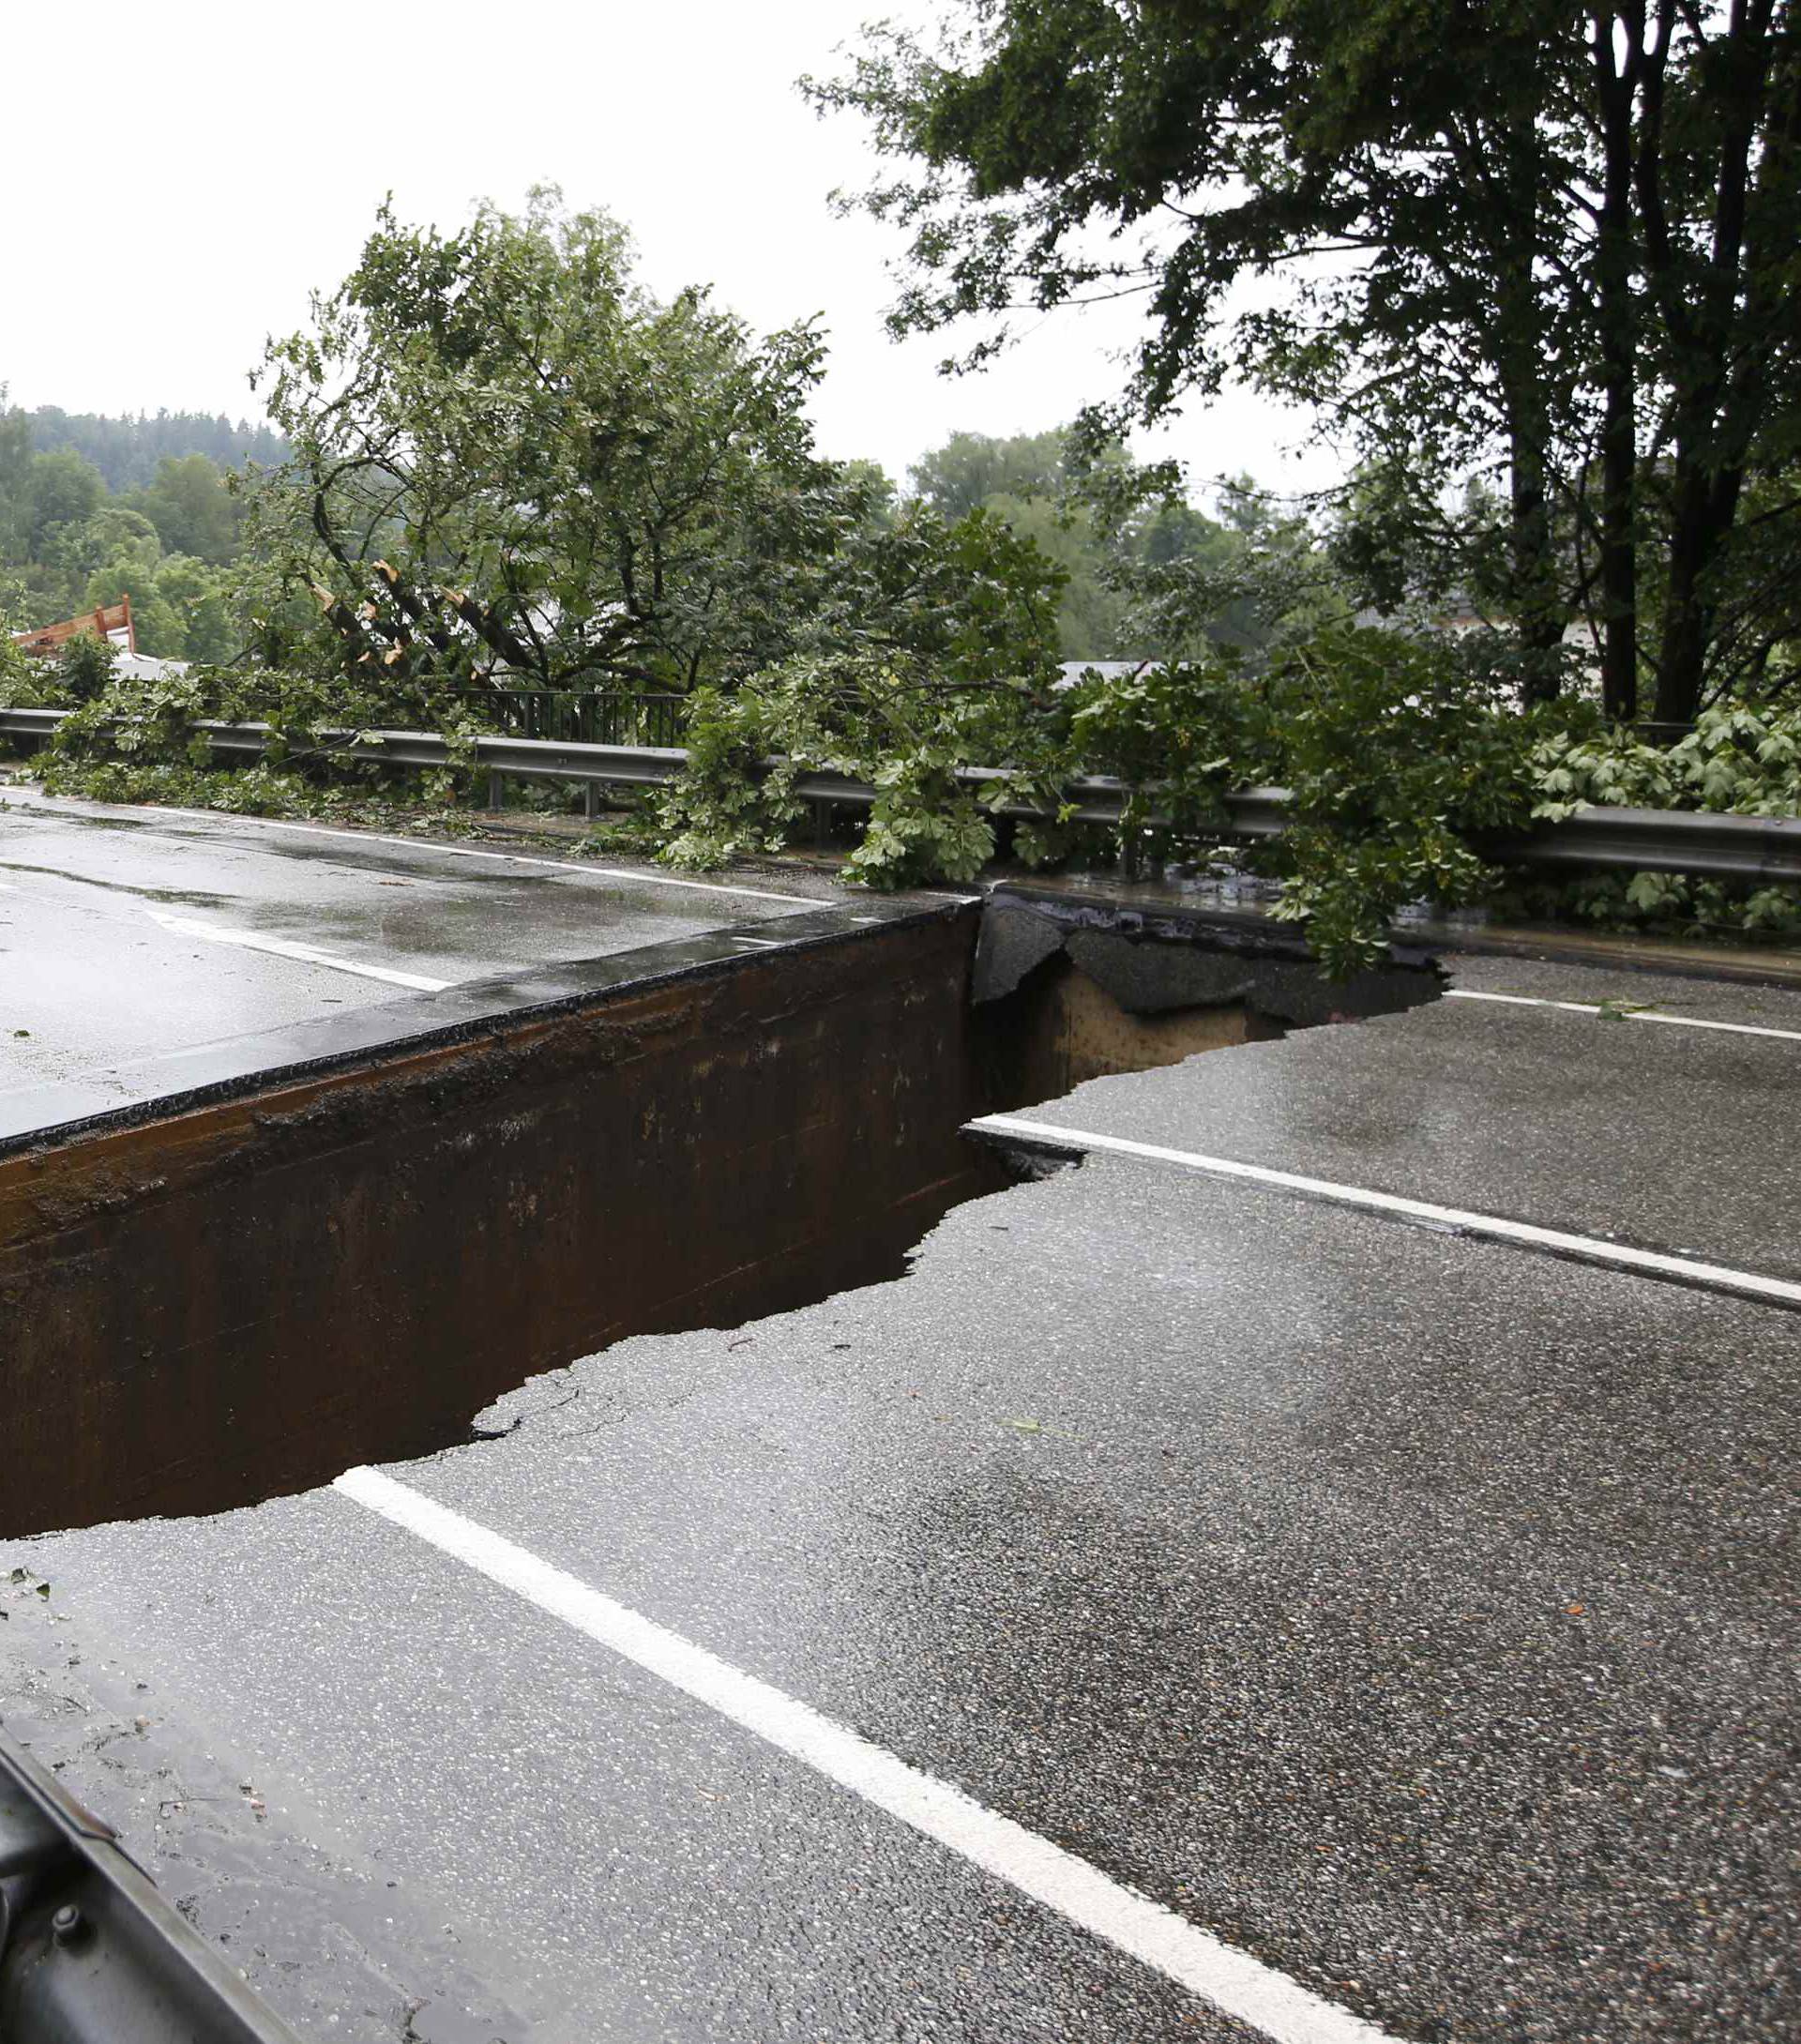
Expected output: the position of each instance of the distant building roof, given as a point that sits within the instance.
(146, 667)
(1072, 671)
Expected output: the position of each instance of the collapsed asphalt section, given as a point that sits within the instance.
(231, 1268)
(1677, 1140)
(1407, 1613)
(338, 1240)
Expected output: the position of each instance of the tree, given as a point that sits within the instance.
(62, 493)
(876, 489)
(1116, 529)
(198, 601)
(968, 605)
(1091, 615)
(15, 449)
(510, 457)
(113, 540)
(1256, 578)
(971, 468)
(1556, 246)
(192, 508)
(18, 675)
(15, 468)
(513, 463)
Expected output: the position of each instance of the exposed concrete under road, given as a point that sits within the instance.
(1414, 1614)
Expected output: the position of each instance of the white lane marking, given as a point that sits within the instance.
(1621, 1014)
(305, 953)
(224, 818)
(1230, 1979)
(1492, 1227)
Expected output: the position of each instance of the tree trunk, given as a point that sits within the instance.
(1536, 595)
(1703, 512)
(1534, 592)
(1538, 610)
(1724, 324)
(1615, 85)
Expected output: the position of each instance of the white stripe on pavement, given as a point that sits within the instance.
(305, 953)
(1233, 1982)
(1617, 1013)
(1456, 1219)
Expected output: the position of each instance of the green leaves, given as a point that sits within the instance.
(1546, 265)
(1397, 751)
(1403, 756)
(1739, 758)
(510, 456)
(895, 719)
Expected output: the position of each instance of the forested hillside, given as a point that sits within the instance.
(95, 508)
(129, 451)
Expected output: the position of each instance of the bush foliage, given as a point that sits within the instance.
(1404, 757)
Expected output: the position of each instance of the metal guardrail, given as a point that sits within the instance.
(90, 1953)
(588, 715)
(1757, 849)
(1766, 850)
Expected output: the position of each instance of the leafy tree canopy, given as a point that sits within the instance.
(1557, 247)
(971, 468)
(512, 462)
(192, 509)
(1148, 574)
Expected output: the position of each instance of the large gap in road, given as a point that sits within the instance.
(234, 1296)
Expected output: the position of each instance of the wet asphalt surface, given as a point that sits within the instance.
(1665, 1138)
(92, 973)
(1410, 1612)
(1416, 1612)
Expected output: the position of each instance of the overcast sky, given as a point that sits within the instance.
(182, 175)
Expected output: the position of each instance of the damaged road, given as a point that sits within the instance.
(1405, 1621)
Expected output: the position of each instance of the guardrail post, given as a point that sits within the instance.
(496, 792)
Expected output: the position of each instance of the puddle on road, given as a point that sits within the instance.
(33, 812)
(182, 897)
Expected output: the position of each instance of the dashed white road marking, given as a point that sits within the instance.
(306, 954)
(1233, 1982)
(1581, 1248)
(1621, 1014)
(226, 817)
